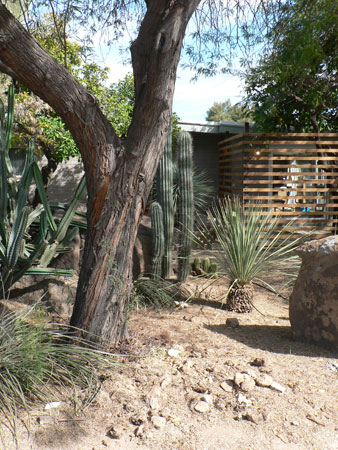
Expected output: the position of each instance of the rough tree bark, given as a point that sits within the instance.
(119, 174)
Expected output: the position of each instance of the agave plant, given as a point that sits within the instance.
(252, 244)
(29, 238)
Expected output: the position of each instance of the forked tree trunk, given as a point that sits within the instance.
(119, 174)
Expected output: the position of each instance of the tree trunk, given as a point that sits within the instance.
(119, 174)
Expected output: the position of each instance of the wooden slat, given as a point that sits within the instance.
(262, 189)
(247, 173)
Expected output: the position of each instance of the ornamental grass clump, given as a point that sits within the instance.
(253, 243)
(39, 361)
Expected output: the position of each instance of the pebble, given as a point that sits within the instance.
(248, 385)
(207, 398)
(158, 421)
(264, 380)
(277, 387)
(227, 386)
(173, 352)
(202, 407)
(232, 322)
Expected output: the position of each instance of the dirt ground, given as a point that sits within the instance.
(189, 382)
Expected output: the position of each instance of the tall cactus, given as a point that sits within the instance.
(164, 185)
(156, 215)
(186, 202)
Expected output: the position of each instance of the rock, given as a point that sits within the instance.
(248, 385)
(239, 378)
(227, 386)
(314, 302)
(244, 381)
(277, 387)
(114, 432)
(207, 398)
(158, 421)
(52, 405)
(264, 380)
(173, 352)
(258, 362)
(202, 407)
(232, 322)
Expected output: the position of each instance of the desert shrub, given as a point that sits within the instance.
(252, 244)
(38, 359)
(157, 294)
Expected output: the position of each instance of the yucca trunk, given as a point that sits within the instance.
(240, 298)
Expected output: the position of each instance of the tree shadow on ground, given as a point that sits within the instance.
(275, 339)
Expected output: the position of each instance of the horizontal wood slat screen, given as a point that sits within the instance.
(293, 175)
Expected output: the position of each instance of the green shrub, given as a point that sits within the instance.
(37, 358)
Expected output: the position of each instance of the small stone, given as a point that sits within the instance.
(277, 387)
(52, 405)
(227, 386)
(248, 385)
(239, 378)
(258, 362)
(251, 416)
(154, 403)
(173, 352)
(158, 421)
(207, 398)
(114, 433)
(264, 380)
(294, 422)
(232, 322)
(202, 407)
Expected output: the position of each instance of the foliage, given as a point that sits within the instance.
(251, 241)
(29, 239)
(154, 293)
(36, 357)
(225, 111)
(295, 84)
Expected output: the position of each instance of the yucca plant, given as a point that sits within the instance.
(38, 358)
(252, 244)
(29, 238)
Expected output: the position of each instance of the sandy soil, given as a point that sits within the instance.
(188, 400)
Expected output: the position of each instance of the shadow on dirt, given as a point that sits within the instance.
(276, 339)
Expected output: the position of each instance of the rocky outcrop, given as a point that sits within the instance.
(314, 300)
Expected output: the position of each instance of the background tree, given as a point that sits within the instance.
(119, 173)
(225, 111)
(295, 84)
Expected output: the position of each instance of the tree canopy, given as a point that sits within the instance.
(295, 84)
(225, 111)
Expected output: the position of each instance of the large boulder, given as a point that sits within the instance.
(314, 300)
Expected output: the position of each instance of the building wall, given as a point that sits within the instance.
(206, 155)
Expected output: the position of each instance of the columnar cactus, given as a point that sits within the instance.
(186, 202)
(164, 185)
(156, 215)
